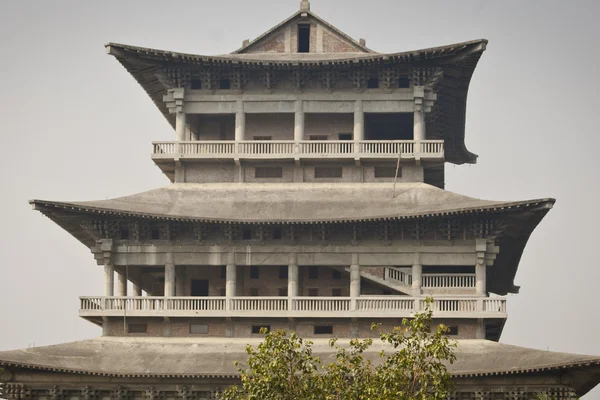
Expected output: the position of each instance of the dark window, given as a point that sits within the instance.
(196, 83)
(283, 292)
(222, 292)
(323, 330)
(303, 38)
(387, 172)
(155, 234)
(124, 234)
(373, 83)
(224, 84)
(345, 136)
(335, 274)
(268, 172)
(283, 272)
(277, 233)
(247, 234)
(199, 329)
(223, 272)
(317, 137)
(254, 292)
(137, 328)
(313, 273)
(452, 330)
(254, 274)
(403, 82)
(328, 172)
(256, 329)
(199, 287)
(313, 292)
(336, 292)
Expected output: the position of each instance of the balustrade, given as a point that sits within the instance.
(362, 306)
(304, 148)
(448, 280)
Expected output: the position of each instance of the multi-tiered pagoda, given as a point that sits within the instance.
(307, 194)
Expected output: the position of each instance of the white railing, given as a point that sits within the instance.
(391, 273)
(278, 147)
(259, 304)
(385, 304)
(395, 147)
(325, 147)
(302, 149)
(321, 304)
(362, 306)
(448, 281)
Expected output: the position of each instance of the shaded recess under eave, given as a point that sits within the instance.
(313, 204)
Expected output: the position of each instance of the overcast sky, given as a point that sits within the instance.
(75, 126)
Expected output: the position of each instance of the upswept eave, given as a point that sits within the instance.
(171, 357)
(462, 58)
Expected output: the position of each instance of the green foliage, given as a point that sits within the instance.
(283, 367)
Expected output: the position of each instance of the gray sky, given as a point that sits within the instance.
(75, 126)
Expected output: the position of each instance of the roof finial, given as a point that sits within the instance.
(304, 5)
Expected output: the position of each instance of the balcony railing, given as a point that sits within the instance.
(453, 281)
(306, 149)
(296, 307)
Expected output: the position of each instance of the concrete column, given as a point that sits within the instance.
(419, 115)
(180, 124)
(480, 278)
(169, 280)
(122, 285)
(109, 280)
(299, 121)
(240, 121)
(292, 284)
(354, 285)
(417, 272)
(230, 284)
(359, 121)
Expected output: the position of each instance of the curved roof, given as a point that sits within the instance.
(293, 202)
(458, 62)
(214, 357)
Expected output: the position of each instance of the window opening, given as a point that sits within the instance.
(137, 328)
(247, 234)
(155, 234)
(303, 38)
(328, 172)
(323, 330)
(268, 172)
(277, 233)
(403, 82)
(224, 84)
(223, 272)
(452, 331)
(254, 274)
(337, 275)
(387, 172)
(124, 234)
(199, 288)
(313, 273)
(373, 83)
(256, 329)
(199, 329)
(196, 83)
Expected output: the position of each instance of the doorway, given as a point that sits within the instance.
(199, 287)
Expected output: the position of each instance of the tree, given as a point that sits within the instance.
(283, 367)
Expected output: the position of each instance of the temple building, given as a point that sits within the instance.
(307, 194)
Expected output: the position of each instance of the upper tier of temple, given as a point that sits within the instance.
(309, 60)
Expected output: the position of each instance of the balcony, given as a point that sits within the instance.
(425, 150)
(284, 307)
